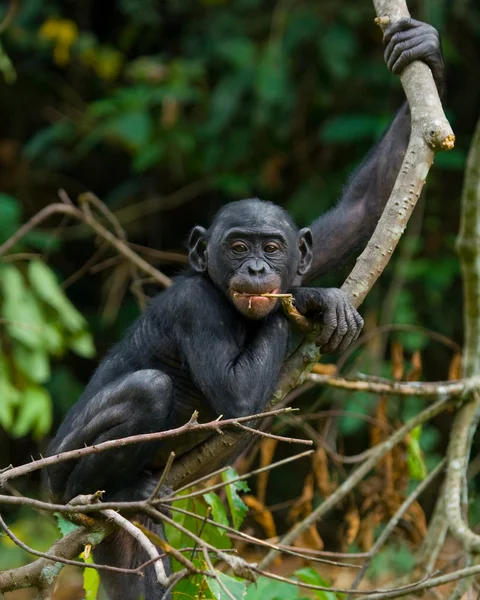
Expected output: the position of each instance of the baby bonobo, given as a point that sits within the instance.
(212, 342)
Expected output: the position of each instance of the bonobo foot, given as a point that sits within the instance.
(331, 308)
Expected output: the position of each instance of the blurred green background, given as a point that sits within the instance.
(166, 111)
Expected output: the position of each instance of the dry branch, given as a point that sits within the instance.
(466, 420)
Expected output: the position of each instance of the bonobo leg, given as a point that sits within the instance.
(120, 550)
(139, 402)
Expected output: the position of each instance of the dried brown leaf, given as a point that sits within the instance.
(352, 521)
(398, 363)
(267, 450)
(320, 470)
(261, 515)
(415, 371)
(455, 367)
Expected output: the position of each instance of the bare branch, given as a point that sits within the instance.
(466, 420)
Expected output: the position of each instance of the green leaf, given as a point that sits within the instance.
(236, 588)
(33, 363)
(24, 320)
(310, 576)
(132, 128)
(10, 213)
(45, 285)
(9, 396)
(35, 413)
(6, 66)
(415, 458)
(219, 513)
(209, 533)
(268, 589)
(82, 344)
(238, 508)
(91, 581)
(64, 524)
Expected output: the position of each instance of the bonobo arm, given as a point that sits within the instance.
(237, 371)
(330, 307)
(344, 230)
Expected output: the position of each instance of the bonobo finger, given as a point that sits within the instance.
(402, 55)
(400, 25)
(329, 319)
(360, 323)
(397, 38)
(417, 52)
(341, 330)
(352, 331)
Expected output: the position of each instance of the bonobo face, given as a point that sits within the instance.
(252, 248)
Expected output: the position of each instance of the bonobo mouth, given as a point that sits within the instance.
(254, 304)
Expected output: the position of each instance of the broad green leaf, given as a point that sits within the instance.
(310, 576)
(10, 212)
(24, 320)
(34, 414)
(82, 344)
(238, 508)
(33, 363)
(91, 581)
(54, 338)
(132, 128)
(219, 513)
(269, 589)
(9, 396)
(64, 524)
(217, 586)
(45, 285)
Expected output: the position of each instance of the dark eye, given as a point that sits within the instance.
(271, 247)
(239, 247)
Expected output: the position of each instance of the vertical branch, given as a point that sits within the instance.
(466, 419)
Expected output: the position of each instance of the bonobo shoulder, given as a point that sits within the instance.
(191, 296)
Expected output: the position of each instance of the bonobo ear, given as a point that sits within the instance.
(197, 249)
(305, 244)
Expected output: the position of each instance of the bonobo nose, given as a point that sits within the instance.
(256, 267)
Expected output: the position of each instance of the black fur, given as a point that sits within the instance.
(204, 345)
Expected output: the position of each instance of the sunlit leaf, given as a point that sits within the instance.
(310, 576)
(238, 508)
(34, 414)
(267, 589)
(46, 287)
(82, 344)
(9, 395)
(22, 314)
(33, 363)
(91, 581)
(218, 587)
(219, 513)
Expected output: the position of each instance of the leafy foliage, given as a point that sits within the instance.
(38, 324)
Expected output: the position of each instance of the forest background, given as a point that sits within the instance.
(166, 111)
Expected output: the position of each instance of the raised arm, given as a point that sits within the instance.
(344, 230)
